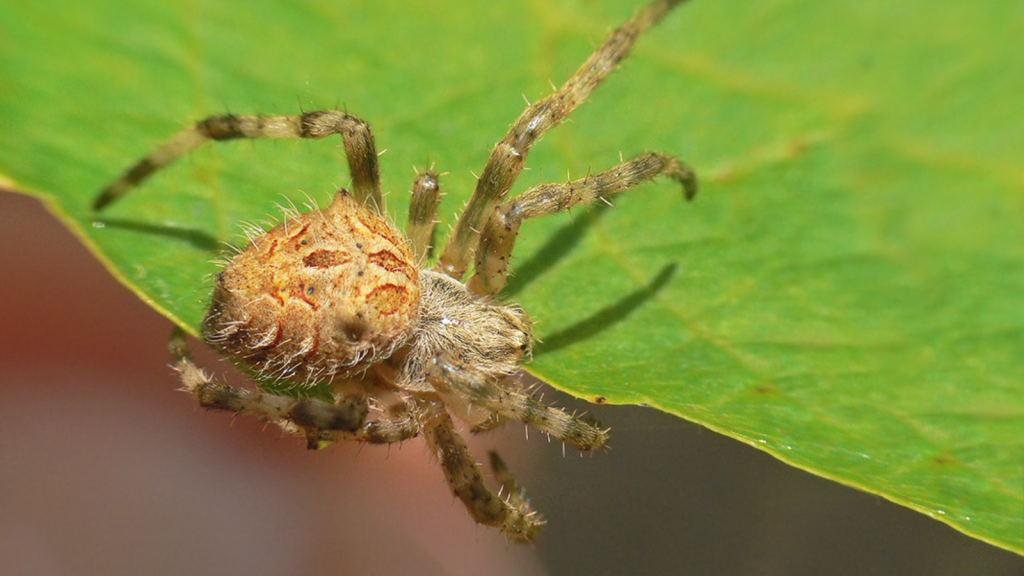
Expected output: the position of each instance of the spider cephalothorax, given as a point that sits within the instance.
(337, 295)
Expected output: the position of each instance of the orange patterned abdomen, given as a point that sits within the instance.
(325, 294)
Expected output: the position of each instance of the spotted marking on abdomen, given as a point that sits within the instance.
(389, 261)
(326, 258)
(389, 298)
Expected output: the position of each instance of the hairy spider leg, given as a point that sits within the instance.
(498, 237)
(355, 134)
(513, 516)
(514, 492)
(494, 419)
(390, 428)
(426, 194)
(316, 420)
(512, 404)
(509, 155)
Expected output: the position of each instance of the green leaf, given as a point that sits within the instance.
(845, 293)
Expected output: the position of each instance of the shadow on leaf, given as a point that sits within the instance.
(605, 317)
(197, 238)
(560, 244)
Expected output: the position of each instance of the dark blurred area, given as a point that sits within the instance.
(105, 468)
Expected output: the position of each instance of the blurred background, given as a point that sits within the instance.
(106, 469)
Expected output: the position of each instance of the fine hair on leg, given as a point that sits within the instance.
(509, 487)
(515, 518)
(426, 194)
(499, 235)
(512, 404)
(360, 149)
(306, 417)
(509, 155)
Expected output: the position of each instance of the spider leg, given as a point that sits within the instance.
(396, 424)
(516, 494)
(508, 157)
(499, 235)
(426, 193)
(389, 429)
(309, 417)
(355, 135)
(513, 516)
(493, 421)
(484, 391)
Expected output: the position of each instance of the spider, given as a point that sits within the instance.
(336, 295)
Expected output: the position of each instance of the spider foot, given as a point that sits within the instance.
(512, 514)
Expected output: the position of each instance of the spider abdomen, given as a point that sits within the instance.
(324, 294)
